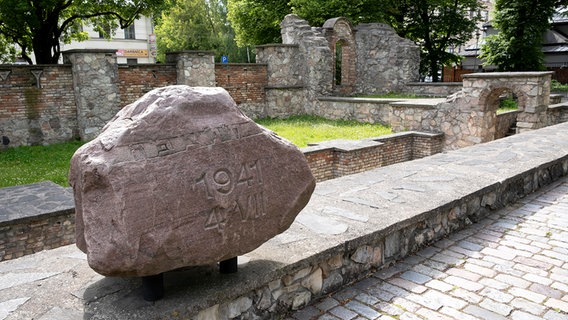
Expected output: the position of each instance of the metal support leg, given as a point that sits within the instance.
(153, 287)
(228, 266)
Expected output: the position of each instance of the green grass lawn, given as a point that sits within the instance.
(301, 130)
(24, 165)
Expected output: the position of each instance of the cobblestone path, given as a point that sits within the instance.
(511, 265)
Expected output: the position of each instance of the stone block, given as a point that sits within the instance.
(182, 177)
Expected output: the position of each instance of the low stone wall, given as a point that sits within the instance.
(34, 218)
(337, 158)
(506, 121)
(433, 89)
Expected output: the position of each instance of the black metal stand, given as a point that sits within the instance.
(228, 266)
(153, 287)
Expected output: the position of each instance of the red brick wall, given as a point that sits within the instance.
(332, 163)
(45, 232)
(244, 82)
(51, 108)
(136, 80)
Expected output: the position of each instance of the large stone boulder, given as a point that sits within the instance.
(180, 178)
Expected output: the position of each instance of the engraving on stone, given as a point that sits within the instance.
(190, 141)
(245, 186)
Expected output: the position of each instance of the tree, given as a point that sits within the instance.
(197, 25)
(38, 26)
(7, 51)
(257, 21)
(318, 11)
(435, 25)
(518, 45)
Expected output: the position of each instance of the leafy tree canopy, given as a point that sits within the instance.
(257, 21)
(38, 25)
(521, 24)
(197, 25)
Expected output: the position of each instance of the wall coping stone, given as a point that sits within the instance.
(483, 75)
(243, 64)
(198, 52)
(435, 84)
(360, 100)
(354, 145)
(341, 145)
(284, 87)
(562, 105)
(277, 45)
(34, 201)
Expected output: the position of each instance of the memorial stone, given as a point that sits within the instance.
(180, 178)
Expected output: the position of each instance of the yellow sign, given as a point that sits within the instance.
(138, 53)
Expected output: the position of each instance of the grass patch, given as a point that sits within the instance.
(507, 104)
(301, 130)
(25, 165)
(32, 164)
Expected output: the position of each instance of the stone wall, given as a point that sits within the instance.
(137, 80)
(505, 123)
(37, 104)
(95, 83)
(432, 89)
(337, 158)
(246, 83)
(385, 61)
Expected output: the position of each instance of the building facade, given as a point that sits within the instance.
(133, 45)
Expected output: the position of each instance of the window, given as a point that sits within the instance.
(338, 62)
(104, 32)
(129, 32)
(131, 61)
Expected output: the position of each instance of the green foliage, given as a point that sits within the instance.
(301, 130)
(507, 104)
(435, 25)
(257, 21)
(318, 11)
(38, 25)
(7, 51)
(518, 45)
(24, 165)
(198, 25)
(558, 87)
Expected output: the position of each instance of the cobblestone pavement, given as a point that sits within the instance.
(511, 265)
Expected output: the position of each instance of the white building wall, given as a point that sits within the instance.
(138, 49)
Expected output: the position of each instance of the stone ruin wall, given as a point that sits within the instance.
(374, 60)
(385, 61)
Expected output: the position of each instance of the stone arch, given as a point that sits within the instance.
(340, 35)
(473, 110)
(489, 101)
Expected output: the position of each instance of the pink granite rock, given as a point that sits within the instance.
(180, 178)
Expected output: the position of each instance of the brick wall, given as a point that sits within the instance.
(244, 82)
(328, 161)
(39, 113)
(32, 235)
(136, 80)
